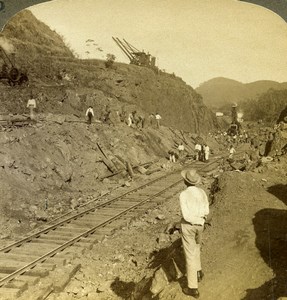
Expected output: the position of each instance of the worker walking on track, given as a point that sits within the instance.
(194, 207)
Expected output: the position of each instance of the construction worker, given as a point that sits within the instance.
(231, 151)
(202, 153)
(172, 155)
(197, 149)
(31, 104)
(206, 152)
(90, 114)
(130, 120)
(158, 118)
(151, 119)
(194, 206)
(180, 149)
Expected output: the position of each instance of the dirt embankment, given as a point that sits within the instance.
(60, 162)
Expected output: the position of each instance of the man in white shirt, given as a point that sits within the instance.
(206, 152)
(231, 151)
(130, 119)
(158, 118)
(197, 149)
(90, 114)
(194, 207)
(31, 104)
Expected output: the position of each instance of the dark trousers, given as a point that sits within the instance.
(90, 116)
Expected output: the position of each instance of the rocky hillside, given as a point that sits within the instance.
(220, 91)
(267, 107)
(58, 162)
(55, 74)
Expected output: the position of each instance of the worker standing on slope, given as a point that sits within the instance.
(31, 104)
(231, 151)
(158, 118)
(90, 114)
(180, 149)
(206, 152)
(197, 150)
(194, 207)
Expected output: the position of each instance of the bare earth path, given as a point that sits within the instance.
(245, 252)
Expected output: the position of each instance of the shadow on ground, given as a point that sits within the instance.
(170, 259)
(270, 226)
(122, 289)
(280, 191)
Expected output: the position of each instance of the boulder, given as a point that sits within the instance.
(75, 203)
(41, 216)
(160, 217)
(141, 170)
(162, 238)
(65, 172)
(104, 286)
(159, 281)
(59, 119)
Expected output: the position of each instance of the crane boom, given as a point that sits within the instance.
(126, 52)
(132, 48)
(135, 56)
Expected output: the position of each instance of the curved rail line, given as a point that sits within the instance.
(68, 230)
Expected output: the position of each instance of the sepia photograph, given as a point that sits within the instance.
(143, 150)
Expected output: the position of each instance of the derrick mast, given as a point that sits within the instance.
(136, 57)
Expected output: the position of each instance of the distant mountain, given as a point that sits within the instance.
(220, 91)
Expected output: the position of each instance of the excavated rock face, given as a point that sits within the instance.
(279, 143)
(283, 116)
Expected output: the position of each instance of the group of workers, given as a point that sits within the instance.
(131, 119)
(139, 121)
(176, 153)
(202, 152)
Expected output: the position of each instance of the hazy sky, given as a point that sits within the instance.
(196, 39)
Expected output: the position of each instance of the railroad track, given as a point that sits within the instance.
(35, 255)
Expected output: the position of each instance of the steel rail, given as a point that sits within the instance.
(78, 237)
(75, 239)
(77, 215)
